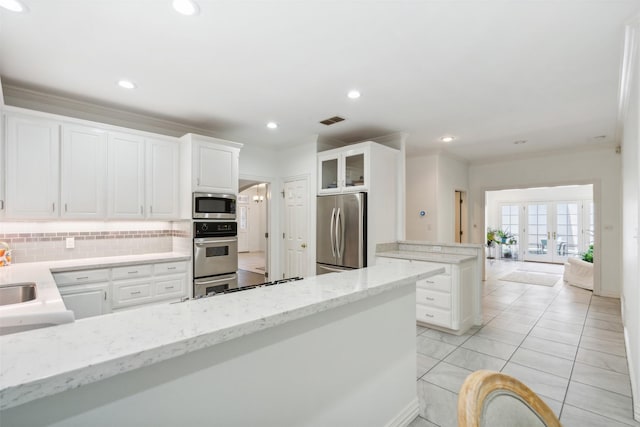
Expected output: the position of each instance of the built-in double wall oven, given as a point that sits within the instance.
(215, 244)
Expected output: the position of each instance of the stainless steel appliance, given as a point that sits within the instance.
(215, 256)
(214, 206)
(341, 235)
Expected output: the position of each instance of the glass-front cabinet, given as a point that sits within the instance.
(343, 170)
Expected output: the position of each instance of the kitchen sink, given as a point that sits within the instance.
(16, 293)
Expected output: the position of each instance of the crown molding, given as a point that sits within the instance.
(631, 50)
(38, 100)
(539, 154)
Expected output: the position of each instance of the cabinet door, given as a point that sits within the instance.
(125, 174)
(87, 302)
(162, 179)
(84, 172)
(356, 170)
(215, 168)
(168, 287)
(132, 292)
(33, 149)
(329, 178)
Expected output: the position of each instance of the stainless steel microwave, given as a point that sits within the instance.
(214, 206)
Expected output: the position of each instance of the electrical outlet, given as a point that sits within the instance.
(71, 242)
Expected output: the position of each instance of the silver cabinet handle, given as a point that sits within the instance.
(197, 181)
(429, 299)
(136, 293)
(1, 205)
(132, 272)
(430, 281)
(65, 207)
(150, 209)
(428, 315)
(168, 287)
(141, 209)
(53, 207)
(82, 278)
(171, 268)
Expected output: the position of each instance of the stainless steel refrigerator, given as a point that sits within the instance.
(341, 232)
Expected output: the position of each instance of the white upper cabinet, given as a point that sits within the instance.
(215, 167)
(33, 149)
(84, 172)
(344, 170)
(125, 174)
(162, 178)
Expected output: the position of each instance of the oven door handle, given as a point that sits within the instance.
(205, 242)
(211, 282)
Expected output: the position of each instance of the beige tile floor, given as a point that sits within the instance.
(252, 261)
(561, 341)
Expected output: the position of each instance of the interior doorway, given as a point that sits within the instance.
(547, 224)
(460, 209)
(252, 216)
(296, 227)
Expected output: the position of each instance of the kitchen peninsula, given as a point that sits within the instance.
(450, 301)
(334, 349)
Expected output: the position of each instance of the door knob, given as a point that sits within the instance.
(304, 245)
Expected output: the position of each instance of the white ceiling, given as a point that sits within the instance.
(488, 72)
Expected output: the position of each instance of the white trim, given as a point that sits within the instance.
(540, 154)
(406, 415)
(86, 110)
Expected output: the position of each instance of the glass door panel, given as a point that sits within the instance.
(566, 236)
(329, 173)
(537, 232)
(354, 170)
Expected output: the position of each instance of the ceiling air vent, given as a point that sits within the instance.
(332, 120)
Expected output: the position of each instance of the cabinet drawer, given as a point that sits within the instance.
(170, 267)
(169, 287)
(81, 277)
(434, 298)
(440, 283)
(435, 316)
(131, 272)
(132, 293)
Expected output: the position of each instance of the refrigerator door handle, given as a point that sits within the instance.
(333, 244)
(339, 241)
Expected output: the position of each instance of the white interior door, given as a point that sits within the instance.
(295, 228)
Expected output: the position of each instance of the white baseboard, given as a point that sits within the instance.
(408, 414)
(632, 376)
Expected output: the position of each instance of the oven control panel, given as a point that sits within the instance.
(215, 228)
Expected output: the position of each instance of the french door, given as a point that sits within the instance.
(554, 231)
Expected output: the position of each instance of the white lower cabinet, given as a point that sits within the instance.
(86, 300)
(85, 292)
(444, 301)
(101, 291)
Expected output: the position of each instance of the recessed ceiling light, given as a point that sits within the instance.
(186, 7)
(13, 5)
(520, 141)
(447, 138)
(272, 125)
(127, 84)
(353, 94)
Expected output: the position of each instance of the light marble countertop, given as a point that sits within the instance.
(444, 258)
(48, 307)
(46, 361)
(427, 243)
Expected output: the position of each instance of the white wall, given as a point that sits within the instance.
(631, 215)
(422, 178)
(600, 167)
(431, 184)
(452, 175)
